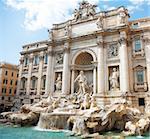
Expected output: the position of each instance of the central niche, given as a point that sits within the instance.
(84, 62)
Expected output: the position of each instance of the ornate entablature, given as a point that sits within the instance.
(85, 11)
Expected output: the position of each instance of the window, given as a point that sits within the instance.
(3, 90)
(10, 90)
(16, 83)
(23, 83)
(140, 76)
(45, 59)
(26, 61)
(141, 102)
(6, 72)
(9, 99)
(15, 91)
(17, 75)
(137, 45)
(2, 98)
(33, 83)
(4, 81)
(12, 74)
(11, 82)
(44, 83)
(36, 60)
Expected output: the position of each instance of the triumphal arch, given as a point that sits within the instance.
(103, 54)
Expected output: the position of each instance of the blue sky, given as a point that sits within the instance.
(26, 21)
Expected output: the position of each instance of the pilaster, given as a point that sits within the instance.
(49, 73)
(146, 42)
(41, 60)
(66, 70)
(100, 66)
(29, 74)
(124, 74)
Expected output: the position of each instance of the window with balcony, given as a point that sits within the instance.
(36, 60)
(33, 83)
(140, 78)
(23, 83)
(137, 45)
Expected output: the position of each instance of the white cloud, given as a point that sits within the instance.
(140, 2)
(43, 13)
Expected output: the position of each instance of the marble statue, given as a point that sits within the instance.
(58, 83)
(82, 82)
(122, 16)
(99, 22)
(76, 14)
(85, 10)
(114, 83)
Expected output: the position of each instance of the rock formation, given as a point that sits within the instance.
(82, 118)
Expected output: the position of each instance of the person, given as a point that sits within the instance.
(58, 83)
(82, 82)
(114, 84)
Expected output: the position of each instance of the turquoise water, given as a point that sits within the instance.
(33, 133)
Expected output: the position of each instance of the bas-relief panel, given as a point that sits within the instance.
(112, 51)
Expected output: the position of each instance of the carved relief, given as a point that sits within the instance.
(59, 59)
(112, 51)
(85, 10)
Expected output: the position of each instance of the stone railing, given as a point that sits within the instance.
(140, 86)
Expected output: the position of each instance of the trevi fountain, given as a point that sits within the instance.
(92, 87)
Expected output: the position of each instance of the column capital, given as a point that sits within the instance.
(100, 40)
(66, 47)
(41, 56)
(50, 51)
(122, 38)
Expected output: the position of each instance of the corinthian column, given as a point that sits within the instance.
(100, 67)
(146, 41)
(49, 86)
(41, 58)
(124, 75)
(66, 70)
(29, 74)
(20, 74)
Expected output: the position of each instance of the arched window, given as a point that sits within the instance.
(23, 83)
(33, 82)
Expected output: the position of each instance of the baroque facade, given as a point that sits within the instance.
(102, 53)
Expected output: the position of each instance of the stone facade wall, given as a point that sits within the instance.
(109, 39)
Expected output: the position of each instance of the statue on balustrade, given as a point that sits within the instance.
(58, 83)
(114, 80)
(82, 82)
